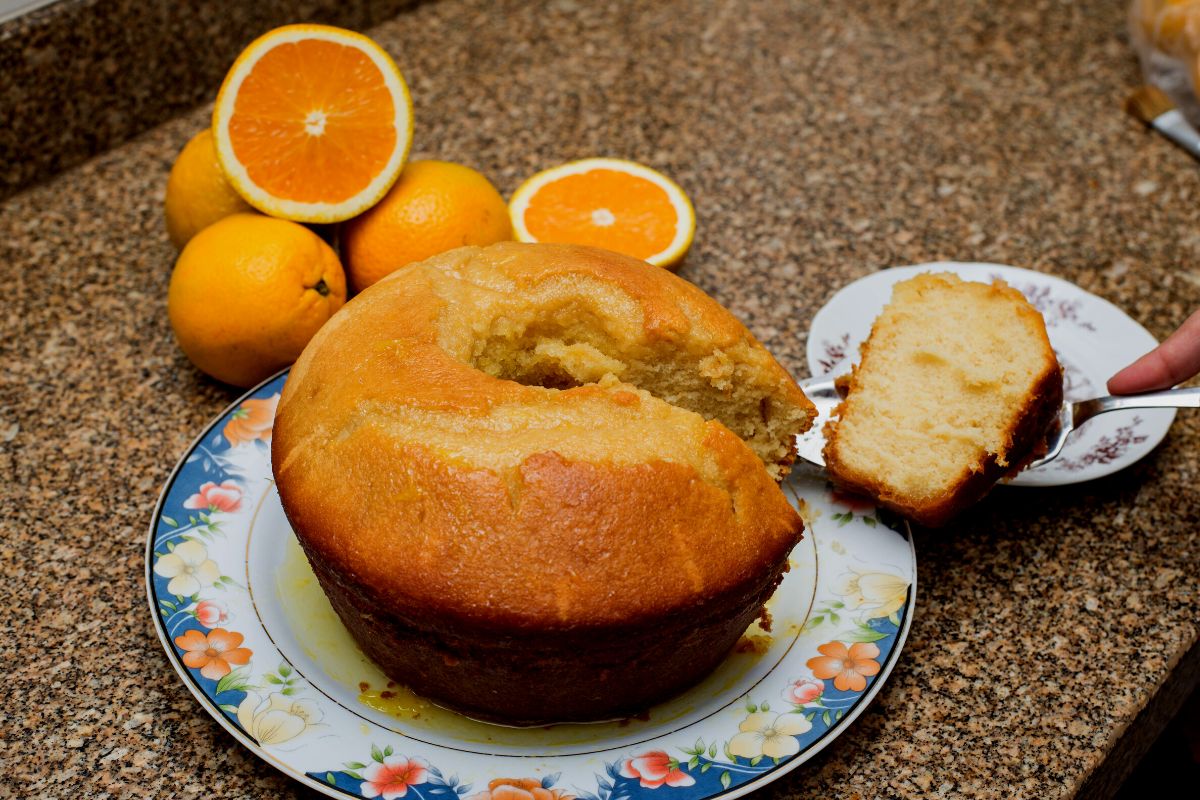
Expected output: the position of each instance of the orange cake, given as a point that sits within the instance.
(538, 482)
(957, 385)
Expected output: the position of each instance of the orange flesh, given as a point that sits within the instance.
(567, 210)
(277, 105)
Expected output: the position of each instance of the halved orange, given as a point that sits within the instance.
(313, 123)
(606, 202)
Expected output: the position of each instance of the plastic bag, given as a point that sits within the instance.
(1166, 35)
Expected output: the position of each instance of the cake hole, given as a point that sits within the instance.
(575, 345)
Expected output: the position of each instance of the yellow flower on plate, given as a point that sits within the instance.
(276, 718)
(770, 735)
(189, 568)
(879, 593)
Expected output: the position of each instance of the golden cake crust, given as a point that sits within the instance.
(465, 508)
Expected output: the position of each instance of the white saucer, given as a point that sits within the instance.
(1093, 339)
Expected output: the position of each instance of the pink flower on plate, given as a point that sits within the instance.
(210, 614)
(226, 496)
(803, 691)
(391, 777)
(654, 768)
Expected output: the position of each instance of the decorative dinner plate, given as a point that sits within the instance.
(1092, 337)
(247, 628)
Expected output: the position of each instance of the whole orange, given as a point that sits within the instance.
(1176, 30)
(247, 294)
(197, 192)
(435, 206)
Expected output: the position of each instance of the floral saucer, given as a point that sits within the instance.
(1092, 337)
(247, 628)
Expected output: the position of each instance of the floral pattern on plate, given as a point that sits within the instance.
(213, 571)
(1092, 337)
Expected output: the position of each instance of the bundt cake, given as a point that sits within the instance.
(539, 482)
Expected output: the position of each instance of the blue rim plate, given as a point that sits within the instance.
(245, 626)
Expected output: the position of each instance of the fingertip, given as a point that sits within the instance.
(1148, 373)
(1118, 383)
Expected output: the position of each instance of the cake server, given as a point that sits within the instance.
(1073, 415)
(823, 393)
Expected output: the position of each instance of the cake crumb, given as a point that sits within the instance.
(756, 644)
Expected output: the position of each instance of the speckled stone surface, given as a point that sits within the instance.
(80, 76)
(820, 142)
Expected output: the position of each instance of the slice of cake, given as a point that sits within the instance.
(957, 386)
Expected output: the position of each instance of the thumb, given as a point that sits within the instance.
(1172, 362)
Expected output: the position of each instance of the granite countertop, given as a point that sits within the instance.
(820, 142)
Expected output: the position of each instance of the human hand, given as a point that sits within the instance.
(1172, 362)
